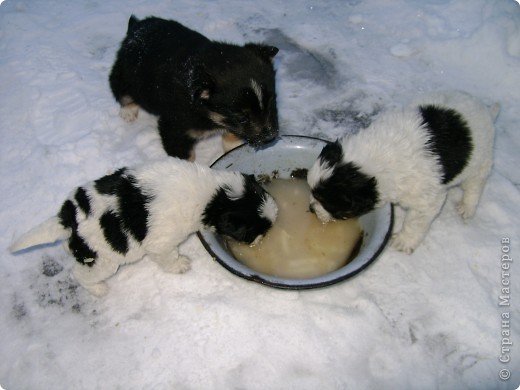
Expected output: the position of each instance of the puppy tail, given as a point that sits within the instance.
(47, 232)
(494, 110)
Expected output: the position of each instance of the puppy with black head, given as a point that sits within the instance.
(194, 85)
(148, 211)
(410, 157)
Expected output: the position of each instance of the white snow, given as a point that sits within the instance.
(431, 320)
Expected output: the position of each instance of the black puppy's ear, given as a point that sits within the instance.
(332, 153)
(250, 179)
(132, 22)
(264, 51)
(252, 184)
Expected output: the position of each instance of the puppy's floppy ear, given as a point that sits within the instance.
(355, 192)
(264, 51)
(332, 153)
(252, 184)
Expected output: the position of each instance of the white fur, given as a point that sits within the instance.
(393, 151)
(322, 214)
(49, 231)
(181, 191)
(319, 171)
(268, 209)
(258, 92)
(129, 109)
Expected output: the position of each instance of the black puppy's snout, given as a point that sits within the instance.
(269, 136)
(263, 138)
(311, 209)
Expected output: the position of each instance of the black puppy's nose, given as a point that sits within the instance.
(311, 209)
(268, 135)
(268, 140)
(263, 141)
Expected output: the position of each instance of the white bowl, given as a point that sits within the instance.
(283, 156)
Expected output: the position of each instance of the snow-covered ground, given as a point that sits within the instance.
(432, 320)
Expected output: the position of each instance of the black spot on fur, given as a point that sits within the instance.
(133, 208)
(67, 215)
(81, 251)
(112, 228)
(238, 218)
(348, 193)
(331, 154)
(79, 248)
(132, 202)
(83, 200)
(107, 185)
(450, 139)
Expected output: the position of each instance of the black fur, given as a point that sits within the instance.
(83, 200)
(112, 227)
(132, 202)
(348, 192)
(130, 217)
(450, 139)
(67, 215)
(78, 247)
(107, 185)
(183, 77)
(237, 218)
(133, 208)
(331, 154)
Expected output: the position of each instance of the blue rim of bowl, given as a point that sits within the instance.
(287, 283)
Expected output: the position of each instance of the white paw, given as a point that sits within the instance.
(179, 266)
(464, 211)
(129, 112)
(403, 243)
(98, 290)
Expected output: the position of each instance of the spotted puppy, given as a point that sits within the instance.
(194, 85)
(149, 210)
(409, 157)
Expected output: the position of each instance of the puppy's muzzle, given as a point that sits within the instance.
(265, 137)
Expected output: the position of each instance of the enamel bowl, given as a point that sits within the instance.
(282, 157)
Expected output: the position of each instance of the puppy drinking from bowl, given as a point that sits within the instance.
(150, 210)
(195, 86)
(410, 157)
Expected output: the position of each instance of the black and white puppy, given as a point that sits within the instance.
(194, 85)
(149, 210)
(410, 157)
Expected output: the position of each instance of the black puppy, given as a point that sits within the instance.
(195, 86)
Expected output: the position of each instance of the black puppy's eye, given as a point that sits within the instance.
(243, 119)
